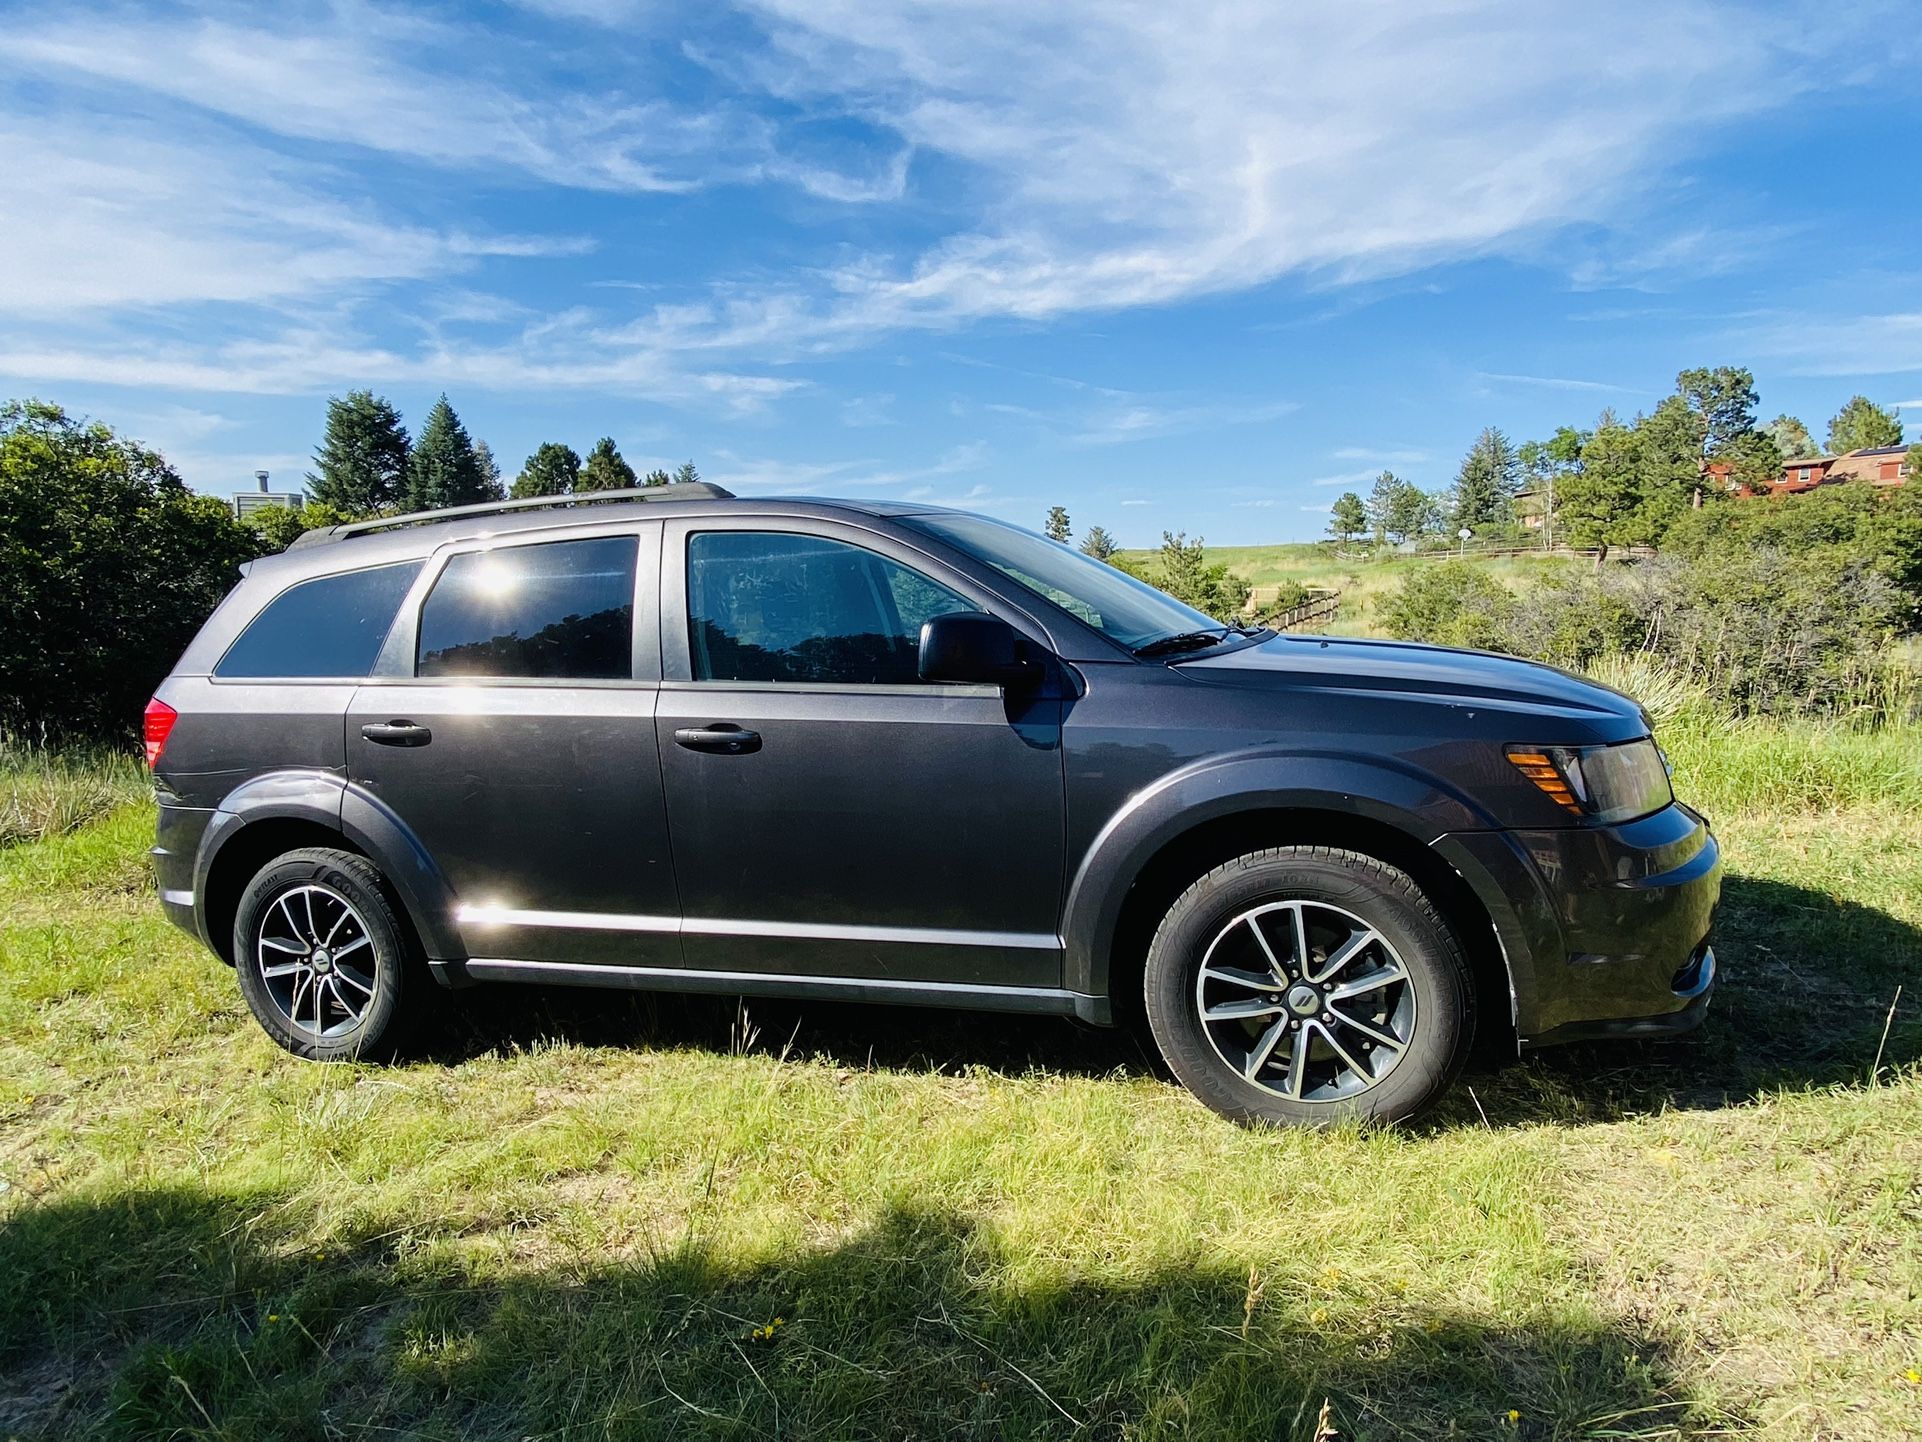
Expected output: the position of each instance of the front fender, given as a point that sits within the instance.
(1379, 789)
(331, 802)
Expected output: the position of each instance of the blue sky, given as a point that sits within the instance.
(1199, 266)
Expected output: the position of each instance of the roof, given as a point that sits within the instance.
(387, 540)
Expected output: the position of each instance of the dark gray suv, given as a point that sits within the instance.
(884, 752)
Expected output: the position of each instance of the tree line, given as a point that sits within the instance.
(109, 563)
(367, 465)
(1616, 483)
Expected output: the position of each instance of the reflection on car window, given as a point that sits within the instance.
(1125, 610)
(775, 606)
(563, 609)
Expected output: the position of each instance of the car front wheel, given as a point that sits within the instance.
(1302, 985)
(324, 960)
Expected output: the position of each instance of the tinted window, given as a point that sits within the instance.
(328, 627)
(763, 606)
(562, 609)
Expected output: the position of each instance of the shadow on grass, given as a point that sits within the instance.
(1805, 990)
(182, 1314)
(1806, 985)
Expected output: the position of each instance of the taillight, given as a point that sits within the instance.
(156, 724)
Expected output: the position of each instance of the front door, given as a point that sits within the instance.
(510, 725)
(833, 815)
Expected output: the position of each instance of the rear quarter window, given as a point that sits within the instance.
(330, 627)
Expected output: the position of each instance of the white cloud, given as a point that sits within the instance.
(1839, 345)
(1560, 383)
(1089, 156)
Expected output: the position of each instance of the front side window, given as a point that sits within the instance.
(1123, 609)
(329, 628)
(559, 609)
(774, 606)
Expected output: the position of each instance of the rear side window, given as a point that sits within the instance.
(330, 627)
(560, 609)
(775, 606)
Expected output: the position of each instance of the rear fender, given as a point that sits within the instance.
(328, 801)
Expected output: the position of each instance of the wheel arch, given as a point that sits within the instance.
(283, 812)
(1144, 860)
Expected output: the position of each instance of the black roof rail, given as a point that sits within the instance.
(674, 491)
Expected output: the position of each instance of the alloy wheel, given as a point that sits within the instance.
(1305, 1000)
(316, 960)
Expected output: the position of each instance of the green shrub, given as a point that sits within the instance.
(1453, 603)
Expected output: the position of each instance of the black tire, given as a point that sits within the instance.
(1327, 889)
(385, 965)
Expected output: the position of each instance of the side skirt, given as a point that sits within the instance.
(1035, 1000)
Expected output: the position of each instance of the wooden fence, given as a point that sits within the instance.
(1320, 608)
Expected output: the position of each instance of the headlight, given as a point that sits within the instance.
(1604, 784)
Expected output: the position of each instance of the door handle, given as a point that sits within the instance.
(719, 738)
(396, 733)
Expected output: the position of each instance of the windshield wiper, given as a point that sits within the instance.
(1186, 641)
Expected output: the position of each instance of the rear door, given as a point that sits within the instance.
(832, 814)
(510, 725)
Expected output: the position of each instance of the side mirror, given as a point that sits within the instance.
(972, 646)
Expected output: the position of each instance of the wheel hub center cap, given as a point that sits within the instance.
(323, 962)
(1303, 999)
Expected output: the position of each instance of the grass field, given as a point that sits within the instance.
(1361, 581)
(586, 1216)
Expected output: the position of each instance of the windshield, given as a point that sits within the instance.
(1125, 610)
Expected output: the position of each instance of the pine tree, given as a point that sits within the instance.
(685, 474)
(1397, 509)
(605, 469)
(1098, 543)
(490, 472)
(657, 477)
(1347, 518)
(361, 465)
(1057, 527)
(1485, 485)
(444, 471)
(1863, 425)
(552, 470)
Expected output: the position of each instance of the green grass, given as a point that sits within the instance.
(590, 1216)
(43, 793)
(1362, 582)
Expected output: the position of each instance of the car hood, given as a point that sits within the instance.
(1412, 670)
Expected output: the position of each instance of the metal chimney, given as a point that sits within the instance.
(261, 476)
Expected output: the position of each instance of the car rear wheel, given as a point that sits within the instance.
(325, 963)
(1304, 984)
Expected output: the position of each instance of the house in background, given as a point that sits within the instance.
(245, 503)
(1880, 466)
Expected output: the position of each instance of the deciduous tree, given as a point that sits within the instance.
(362, 461)
(1791, 437)
(108, 566)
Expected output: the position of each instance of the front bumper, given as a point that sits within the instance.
(1606, 929)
